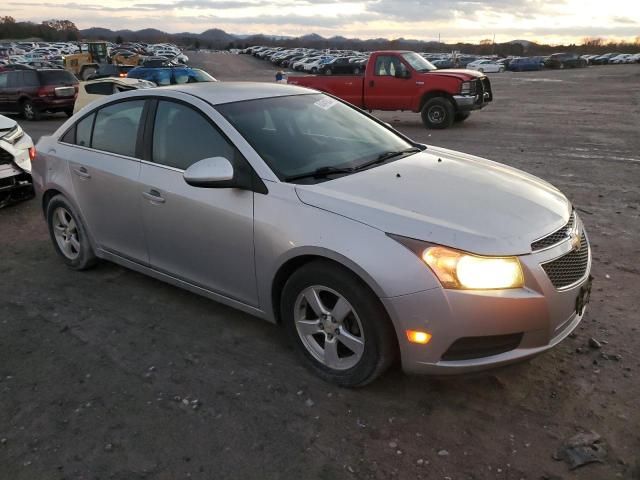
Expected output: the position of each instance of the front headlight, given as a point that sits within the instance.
(13, 135)
(468, 88)
(461, 270)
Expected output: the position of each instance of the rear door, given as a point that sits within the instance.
(200, 235)
(105, 169)
(383, 90)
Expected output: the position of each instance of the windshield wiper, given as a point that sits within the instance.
(383, 157)
(321, 172)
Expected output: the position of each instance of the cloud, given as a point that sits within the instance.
(430, 10)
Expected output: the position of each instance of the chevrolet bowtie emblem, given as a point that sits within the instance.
(575, 241)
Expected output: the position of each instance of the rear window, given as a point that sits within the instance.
(56, 77)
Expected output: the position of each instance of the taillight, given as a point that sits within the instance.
(32, 153)
(47, 91)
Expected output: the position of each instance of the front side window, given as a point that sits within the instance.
(183, 136)
(299, 134)
(116, 127)
(388, 65)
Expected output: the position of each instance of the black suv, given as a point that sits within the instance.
(565, 60)
(34, 91)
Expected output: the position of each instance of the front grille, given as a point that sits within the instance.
(556, 237)
(570, 268)
(468, 348)
(484, 88)
(5, 157)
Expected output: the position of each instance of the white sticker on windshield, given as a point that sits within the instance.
(325, 103)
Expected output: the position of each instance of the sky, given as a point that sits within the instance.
(548, 21)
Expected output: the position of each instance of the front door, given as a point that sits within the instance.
(201, 235)
(384, 90)
(105, 174)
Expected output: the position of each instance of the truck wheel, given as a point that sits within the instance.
(438, 113)
(462, 116)
(87, 73)
(29, 111)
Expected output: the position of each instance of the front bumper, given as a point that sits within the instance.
(480, 96)
(15, 171)
(538, 317)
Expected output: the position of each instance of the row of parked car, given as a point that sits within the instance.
(351, 62)
(52, 55)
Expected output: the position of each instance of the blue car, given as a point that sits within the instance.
(170, 75)
(526, 64)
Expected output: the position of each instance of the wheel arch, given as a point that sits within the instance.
(435, 94)
(298, 259)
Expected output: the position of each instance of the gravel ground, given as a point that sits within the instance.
(110, 374)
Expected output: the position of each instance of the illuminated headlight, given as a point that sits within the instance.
(461, 270)
(468, 88)
(15, 134)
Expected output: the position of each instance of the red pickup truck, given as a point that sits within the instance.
(399, 80)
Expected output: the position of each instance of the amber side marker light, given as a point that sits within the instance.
(416, 336)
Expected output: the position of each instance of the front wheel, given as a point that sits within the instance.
(438, 113)
(69, 235)
(337, 324)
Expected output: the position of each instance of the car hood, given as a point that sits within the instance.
(461, 73)
(448, 198)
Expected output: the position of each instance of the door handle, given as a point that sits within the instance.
(371, 83)
(82, 172)
(153, 196)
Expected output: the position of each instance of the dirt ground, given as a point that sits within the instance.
(110, 374)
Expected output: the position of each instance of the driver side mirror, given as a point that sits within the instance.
(216, 172)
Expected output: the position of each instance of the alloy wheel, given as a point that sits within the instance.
(329, 327)
(65, 231)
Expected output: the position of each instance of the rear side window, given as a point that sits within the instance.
(116, 128)
(3, 79)
(30, 79)
(83, 131)
(56, 77)
(182, 136)
(99, 88)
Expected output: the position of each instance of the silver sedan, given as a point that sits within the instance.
(303, 210)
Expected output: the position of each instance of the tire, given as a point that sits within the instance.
(87, 73)
(501, 70)
(314, 70)
(438, 113)
(366, 326)
(328, 71)
(29, 111)
(78, 254)
(356, 71)
(69, 112)
(462, 116)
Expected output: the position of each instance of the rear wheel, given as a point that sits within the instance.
(69, 235)
(438, 113)
(314, 70)
(328, 71)
(337, 324)
(30, 111)
(501, 69)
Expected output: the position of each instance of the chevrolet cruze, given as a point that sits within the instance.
(303, 210)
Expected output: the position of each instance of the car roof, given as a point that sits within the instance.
(217, 93)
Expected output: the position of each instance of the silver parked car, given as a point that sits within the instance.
(301, 209)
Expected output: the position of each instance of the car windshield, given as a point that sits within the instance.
(302, 134)
(418, 62)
